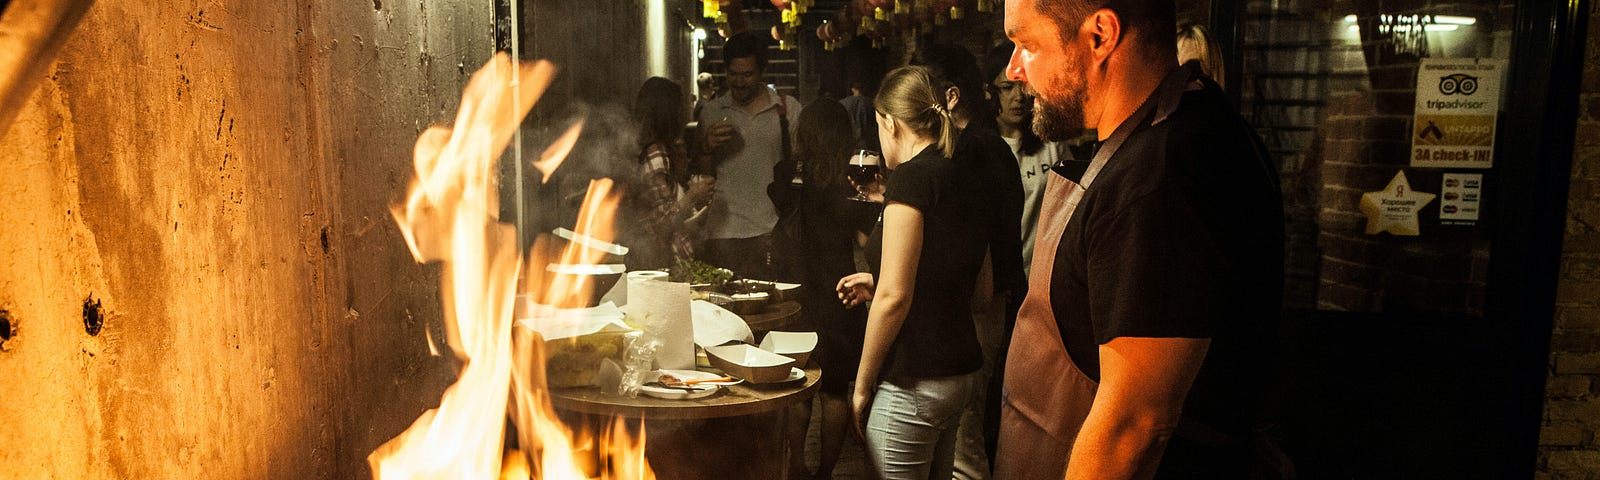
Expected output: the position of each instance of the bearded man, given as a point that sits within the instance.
(1141, 350)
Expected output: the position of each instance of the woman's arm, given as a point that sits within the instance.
(902, 246)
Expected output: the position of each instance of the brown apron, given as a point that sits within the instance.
(1046, 398)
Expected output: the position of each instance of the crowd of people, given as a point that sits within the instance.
(984, 312)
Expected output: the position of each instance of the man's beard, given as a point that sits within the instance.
(745, 95)
(1060, 119)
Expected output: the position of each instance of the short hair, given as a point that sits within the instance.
(745, 45)
(1153, 19)
(994, 66)
(954, 66)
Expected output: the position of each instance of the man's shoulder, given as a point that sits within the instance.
(722, 100)
(789, 104)
(716, 103)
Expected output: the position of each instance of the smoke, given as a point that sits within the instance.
(607, 148)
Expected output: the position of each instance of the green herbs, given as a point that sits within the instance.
(697, 272)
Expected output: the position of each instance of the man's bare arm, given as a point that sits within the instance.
(1143, 382)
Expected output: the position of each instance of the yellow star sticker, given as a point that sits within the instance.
(1394, 209)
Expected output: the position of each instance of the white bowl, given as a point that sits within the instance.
(750, 363)
(796, 345)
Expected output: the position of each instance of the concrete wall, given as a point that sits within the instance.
(215, 177)
(1570, 439)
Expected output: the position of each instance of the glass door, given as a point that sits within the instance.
(1421, 160)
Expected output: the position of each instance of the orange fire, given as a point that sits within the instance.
(450, 216)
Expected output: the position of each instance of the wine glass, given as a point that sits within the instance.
(865, 165)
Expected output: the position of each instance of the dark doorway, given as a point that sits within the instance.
(1411, 352)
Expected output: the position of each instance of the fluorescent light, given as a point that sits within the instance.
(1407, 28)
(1438, 19)
(1453, 20)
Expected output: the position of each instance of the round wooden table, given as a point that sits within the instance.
(778, 316)
(733, 401)
(741, 431)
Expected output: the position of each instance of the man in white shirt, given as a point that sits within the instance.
(744, 134)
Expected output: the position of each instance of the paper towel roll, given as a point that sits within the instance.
(661, 308)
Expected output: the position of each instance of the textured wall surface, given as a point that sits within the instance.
(1569, 442)
(216, 176)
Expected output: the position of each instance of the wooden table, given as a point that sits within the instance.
(733, 401)
(783, 315)
(738, 432)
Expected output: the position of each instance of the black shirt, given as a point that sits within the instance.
(1180, 235)
(938, 338)
(982, 152)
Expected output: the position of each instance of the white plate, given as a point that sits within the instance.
(795, 374)
(701, 390)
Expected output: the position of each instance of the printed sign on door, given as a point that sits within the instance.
(1457, 100)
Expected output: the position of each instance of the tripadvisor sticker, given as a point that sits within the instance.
(1457, 100)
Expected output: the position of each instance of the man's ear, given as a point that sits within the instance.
(1105, 32)
(952, 96)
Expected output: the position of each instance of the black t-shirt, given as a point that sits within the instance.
(983, 152)
(938, 338)
(1180, 235)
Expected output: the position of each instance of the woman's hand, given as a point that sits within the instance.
(873, 190)
(860, 406)
(701, 187)
(855, 289)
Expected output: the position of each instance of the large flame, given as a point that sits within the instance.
(450, 216)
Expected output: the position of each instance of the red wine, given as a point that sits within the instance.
(863, 174)
(865, 166)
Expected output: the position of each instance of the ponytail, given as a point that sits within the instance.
(909, 95)
(947, 131)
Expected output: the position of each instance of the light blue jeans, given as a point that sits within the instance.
(911, 430)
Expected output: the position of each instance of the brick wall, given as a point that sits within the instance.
(1365, 139)
(1335, 109)
(1569, 443)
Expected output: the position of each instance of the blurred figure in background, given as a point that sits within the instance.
(981, 152)
(1035, 156)
(659, 199)
(707, 85)
(863, 69)
(826, 253)
(1195, 43)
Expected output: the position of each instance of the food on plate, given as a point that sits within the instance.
(673, 381)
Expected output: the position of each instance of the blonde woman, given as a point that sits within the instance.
(1195, 43)
(920, 351)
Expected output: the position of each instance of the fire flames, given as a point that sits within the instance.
(451, 216)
